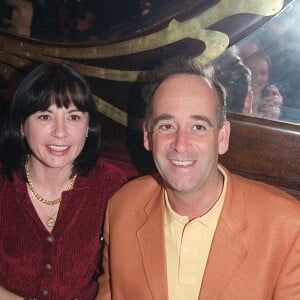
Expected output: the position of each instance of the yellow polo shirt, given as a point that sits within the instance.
(187, 248)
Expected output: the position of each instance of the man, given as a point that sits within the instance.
(196, 231)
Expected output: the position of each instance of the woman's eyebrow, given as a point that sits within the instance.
(74, 110)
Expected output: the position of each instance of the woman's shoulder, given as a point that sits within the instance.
(105, 178)
(113, 168)
(106, 171)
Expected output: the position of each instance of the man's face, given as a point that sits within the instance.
(185, 138)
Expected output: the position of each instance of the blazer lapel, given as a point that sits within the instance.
(229, 247)
(151, 241)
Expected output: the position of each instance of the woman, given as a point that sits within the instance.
(267, 99)
(54, 188)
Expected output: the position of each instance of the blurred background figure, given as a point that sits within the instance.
(34, 18)
(248, 48)
(284, 49)
(236, 78)
(21, 16)
(267, 99)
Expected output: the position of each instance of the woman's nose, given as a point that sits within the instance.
(59, 129)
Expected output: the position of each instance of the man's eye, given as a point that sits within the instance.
(166, 127)
(199, 127)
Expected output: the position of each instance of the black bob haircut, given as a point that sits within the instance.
(45, 85)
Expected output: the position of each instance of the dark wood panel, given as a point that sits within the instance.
(265, 150)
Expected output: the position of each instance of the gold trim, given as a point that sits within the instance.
(97, 72)
(216, 42)
(116, 114)
(176, 31)
(13, 60)
(7, 71)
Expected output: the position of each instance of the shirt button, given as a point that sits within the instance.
(186, 249)
(45, 292)
(48, 267)
(50, 239)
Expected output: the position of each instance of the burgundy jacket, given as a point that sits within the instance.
(63, 264)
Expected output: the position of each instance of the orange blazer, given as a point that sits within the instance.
(255, 253)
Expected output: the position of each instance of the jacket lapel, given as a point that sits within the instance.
(151, 241)
(229, 247)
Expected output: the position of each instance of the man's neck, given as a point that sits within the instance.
(198, 203)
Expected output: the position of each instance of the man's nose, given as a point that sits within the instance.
(182, 141)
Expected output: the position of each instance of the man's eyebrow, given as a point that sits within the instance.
(166, 117)
(162, 117)
(203, 118)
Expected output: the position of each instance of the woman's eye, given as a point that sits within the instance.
(44, 117)
(74, 118)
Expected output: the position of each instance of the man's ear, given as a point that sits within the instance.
(147, 138)
(223, 139)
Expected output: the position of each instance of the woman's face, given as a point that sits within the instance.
(56, 136)
(259, 74)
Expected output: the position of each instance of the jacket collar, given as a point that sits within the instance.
(229, 248)
(151, 241)
(228, 251)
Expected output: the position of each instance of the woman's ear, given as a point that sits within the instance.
(22, 131)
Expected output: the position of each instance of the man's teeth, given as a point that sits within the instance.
(182, 163)
(58, 148)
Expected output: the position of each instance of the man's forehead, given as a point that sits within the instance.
(185, 86)
(180, 76)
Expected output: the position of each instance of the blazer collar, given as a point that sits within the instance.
(228, 251)
(151, 242)
(229, 247)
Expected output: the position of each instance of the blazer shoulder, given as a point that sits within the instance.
(138, 190)
(264, 196)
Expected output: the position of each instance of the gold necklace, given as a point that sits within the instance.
(50, 219)
(36, 194)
